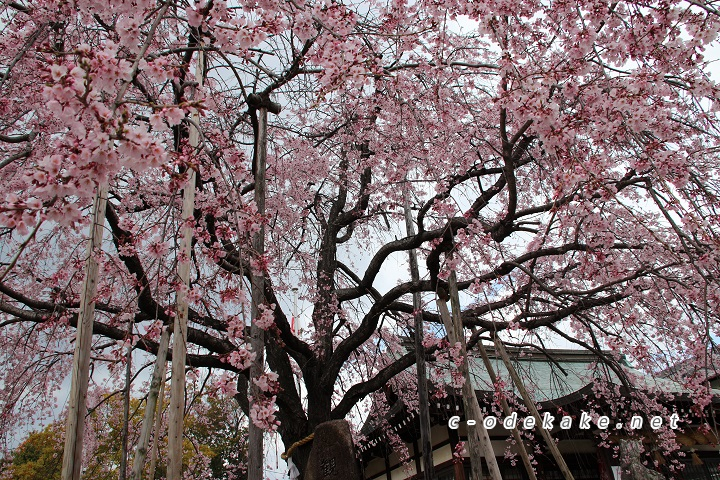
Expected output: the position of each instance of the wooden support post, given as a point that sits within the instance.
(152, 402)
(179, 352)
(126, 404)
(72, 456)
(176, 414)
(530, 404)
(506, 410)
(257, 334)
(478, 438)
(261, 105)
(424, 409)
(155, 452)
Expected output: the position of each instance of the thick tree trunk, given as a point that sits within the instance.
(300, 455)
(72, 456)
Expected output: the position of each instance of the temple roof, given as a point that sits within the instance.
(556, 376)
(688, 368)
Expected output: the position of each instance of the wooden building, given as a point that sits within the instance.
(563, 383)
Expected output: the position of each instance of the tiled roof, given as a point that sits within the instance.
(562, 373)
(685, 369)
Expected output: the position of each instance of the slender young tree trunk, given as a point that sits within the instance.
(72, 455)
(530, 404)
(152, 404)
(177, 384)
(257, 335)
(425, 436)
(478, 438)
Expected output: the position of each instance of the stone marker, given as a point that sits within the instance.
(333, 455)
(632, 467)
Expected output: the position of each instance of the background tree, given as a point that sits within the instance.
(215, 445)
(38, 457)
(561, 157)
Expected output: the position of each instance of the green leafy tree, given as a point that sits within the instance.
(39, 457)
(223, 432)
(215, 443)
